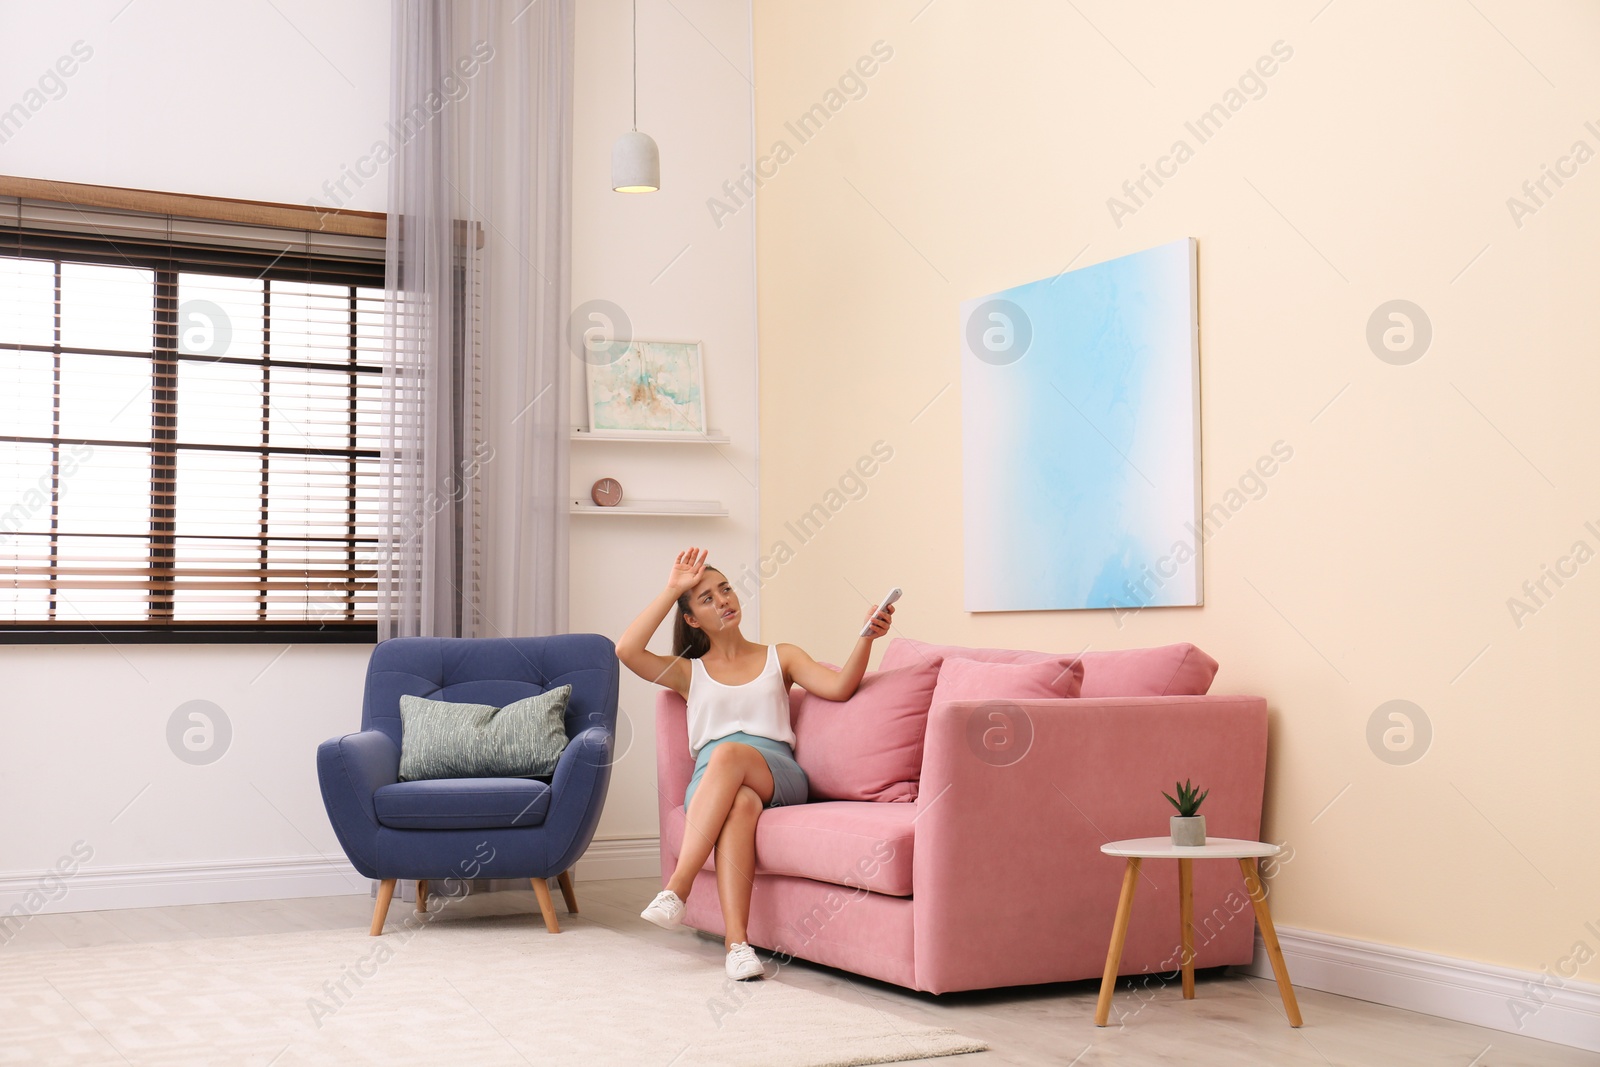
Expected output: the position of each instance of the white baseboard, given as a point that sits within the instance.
(151, 885)
(621, 857)
(1529, 1003)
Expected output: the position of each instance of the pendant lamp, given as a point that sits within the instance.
(635, 160)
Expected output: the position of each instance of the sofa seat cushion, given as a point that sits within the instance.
(1164, 671)
(853, 843)
(462, 803)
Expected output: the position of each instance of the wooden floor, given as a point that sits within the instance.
(1233, 1020)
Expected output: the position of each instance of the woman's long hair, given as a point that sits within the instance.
(690, 642)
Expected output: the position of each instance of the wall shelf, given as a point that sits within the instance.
(701, 509)
(711, 437)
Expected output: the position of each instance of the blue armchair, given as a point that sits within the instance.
(473, 827)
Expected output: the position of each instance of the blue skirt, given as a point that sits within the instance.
(789, 785)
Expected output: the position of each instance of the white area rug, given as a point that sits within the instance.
(490, 990)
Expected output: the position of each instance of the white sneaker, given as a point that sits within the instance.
(742, 962)
(666, 910)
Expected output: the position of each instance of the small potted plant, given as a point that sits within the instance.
(1188, 828)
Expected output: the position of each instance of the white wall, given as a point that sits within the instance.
(226, 100)
(678, 276)
(240, 101)
(254, 101)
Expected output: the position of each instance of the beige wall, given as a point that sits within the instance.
(1375, 165)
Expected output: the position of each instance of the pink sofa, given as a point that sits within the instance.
(993, 875)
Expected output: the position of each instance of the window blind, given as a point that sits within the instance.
(189, 435)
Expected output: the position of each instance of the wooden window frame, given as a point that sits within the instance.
(164, 364)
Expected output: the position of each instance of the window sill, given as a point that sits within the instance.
(193, 634)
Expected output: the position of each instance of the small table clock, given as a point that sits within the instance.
(607, 492)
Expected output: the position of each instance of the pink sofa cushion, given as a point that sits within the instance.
(846, 843)
(1167, 670)
(870, 746)
(1180, 670)
(971, 679)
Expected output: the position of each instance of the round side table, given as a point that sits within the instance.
(1215, 848)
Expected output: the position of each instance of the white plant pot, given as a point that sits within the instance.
(1188, 831)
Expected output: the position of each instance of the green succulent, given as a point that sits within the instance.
(1189, 798)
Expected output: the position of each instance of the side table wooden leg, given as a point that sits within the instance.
(1269, 937)
(1186, 923)
(1119, 936)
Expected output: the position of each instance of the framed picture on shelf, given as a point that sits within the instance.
(652, 389)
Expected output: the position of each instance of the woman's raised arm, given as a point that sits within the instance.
(670, 671)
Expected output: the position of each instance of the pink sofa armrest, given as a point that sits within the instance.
(673, 765)
(1010, 884)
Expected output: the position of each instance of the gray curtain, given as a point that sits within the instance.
(472, 488)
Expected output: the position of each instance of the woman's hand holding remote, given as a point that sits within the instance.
(877, 622)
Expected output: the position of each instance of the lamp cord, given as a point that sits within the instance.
(635, 66)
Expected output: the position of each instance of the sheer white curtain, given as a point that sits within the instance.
(473, 483)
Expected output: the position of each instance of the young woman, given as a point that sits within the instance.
(739, 733)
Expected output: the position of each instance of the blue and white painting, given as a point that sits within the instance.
(1080, 422)
(653, 386)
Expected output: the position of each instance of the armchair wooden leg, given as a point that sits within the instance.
(422, 895)
(571, 898)
(547, 907)
(381, 911)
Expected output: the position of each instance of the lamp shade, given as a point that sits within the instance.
(635, 164)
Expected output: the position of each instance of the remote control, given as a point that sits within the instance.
(894, 594)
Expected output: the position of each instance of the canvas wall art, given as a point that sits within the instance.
(1080, 422)
(652, 388)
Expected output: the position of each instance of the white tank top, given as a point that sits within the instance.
(759, 706)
